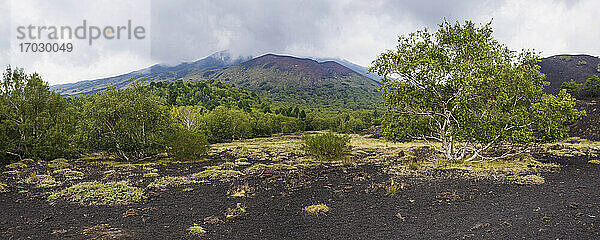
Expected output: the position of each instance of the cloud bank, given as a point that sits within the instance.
(357, 31)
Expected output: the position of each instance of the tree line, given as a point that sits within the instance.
(178, 118)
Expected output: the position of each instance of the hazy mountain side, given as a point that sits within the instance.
(303, 81)
(355, 67)
(154, 73)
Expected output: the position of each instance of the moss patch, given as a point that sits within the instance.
(196, 230)
(171, 181)
(16, 165)
(41, 181)
(58, 163)
(316, 209)
(510, 166)
(69, 173)
(96, 193)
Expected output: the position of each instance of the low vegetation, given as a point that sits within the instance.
(97, 193)
(3, 187)
(41, 181)
(196, 230)
(316, 209)
(218, 174)
(327, 146)
(69, 173)
(525, 179)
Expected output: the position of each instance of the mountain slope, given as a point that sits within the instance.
(154, 73)
(355, 67)
(561, 68)
(303, 81)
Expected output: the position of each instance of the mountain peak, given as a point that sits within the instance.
(309, 66)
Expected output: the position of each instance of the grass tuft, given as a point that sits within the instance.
(69, 174)
(96, 193)
(58, 163)
(16, 165)
(526, 179)
(42, 181)
(316, 209)
(595, 161)
(196, 230)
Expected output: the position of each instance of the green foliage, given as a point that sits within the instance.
(208, 94)
(185, 145)
(327, 146)
(571, 87)
(581, 63)
(550, 118)
(460, 87)
(69, 173)
(129, 123)
(223, 124)
(96, 193)
(41, 181)
(34, 121)
(592, 86)
(316, 209)
(197, 230)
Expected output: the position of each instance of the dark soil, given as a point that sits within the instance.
(567, 206)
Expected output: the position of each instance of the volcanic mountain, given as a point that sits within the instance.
(154, 73)
(277, 77)
(562, 68)
(302, 81)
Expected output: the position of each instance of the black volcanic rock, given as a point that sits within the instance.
(562, 68)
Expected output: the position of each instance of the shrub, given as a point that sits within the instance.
(34, 121)
(187, 145)
(571, 87)
(223, 124)
(128, 123)
(580, 63)
(592, 86)
(327, 146)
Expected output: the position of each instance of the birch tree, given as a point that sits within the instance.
(464, 93)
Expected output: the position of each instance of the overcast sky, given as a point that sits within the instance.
(353, 30)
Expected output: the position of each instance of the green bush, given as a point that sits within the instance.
(582, 63)
(327, 146)
(185, 145)
(34, 121)
(128, 123)
(571, 87)
(592, 86)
